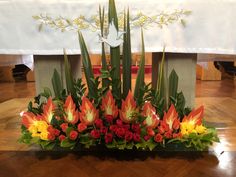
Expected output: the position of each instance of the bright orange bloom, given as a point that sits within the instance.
(72, 115)
(48, 109)
(128, 109)
(28, 119)
(152, 118)
(108, 105)
(88, 112)
(171, 118)
(195, 117)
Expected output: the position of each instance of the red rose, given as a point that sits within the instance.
(177, 135)
(150, 132)
(50, 129)
(146, 137)
(113, 128)
(108, 138)
(73, 135)
(165, 126)
(51, 136)
(64, 126)
(119, 122)
(95, 134)
(128, 136)
(136, 128)
(62, 137)
(168, 134)
(126, 127)
(56, 132)
(136, 137)
(104, 130)
(109, 118)
(120, 132)
(81, 127)
(176, 124)
(98, 123)
(161, 130)
(158, 138)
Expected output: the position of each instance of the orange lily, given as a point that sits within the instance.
(48, 109)
(152, 119)
(88, 113)
(128, 109)
(72, 115)
(108, 105)
(171, 118)
(195, 117)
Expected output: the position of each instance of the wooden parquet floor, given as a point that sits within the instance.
(19, 160)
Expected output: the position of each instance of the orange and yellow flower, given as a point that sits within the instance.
(171, 118)
(108, 105)
(35, 125)
(72, 115)
(88, 112)
(152, 118)
(193, 123)
(128, 109)
(48, 110)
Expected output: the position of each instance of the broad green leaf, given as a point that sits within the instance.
(115, 53)
(57, 84)
(140, 76)
(127, 56)
(68, 76)
(173, 84)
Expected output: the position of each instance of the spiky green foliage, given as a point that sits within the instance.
(57, 84)
(140, 76)
(105, 81)
(68, 76)
(127, 56)
(87, 68)
(115, 54)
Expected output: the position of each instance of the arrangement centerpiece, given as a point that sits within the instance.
(107, 112)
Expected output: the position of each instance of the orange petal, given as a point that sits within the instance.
(72, 115)
(195, 117)
(28, 118)
(108, 105)
(48, 109)
(170, 116)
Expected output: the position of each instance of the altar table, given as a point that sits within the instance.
(210, 29)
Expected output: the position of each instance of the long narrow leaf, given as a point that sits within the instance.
(140, 76)
(57, 84)
(115, 54)
(87, 68)
(173, 84)
(68, 76)
(160, 73)
(105, 81)
(127, 56)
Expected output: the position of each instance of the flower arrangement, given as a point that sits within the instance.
(108, 113)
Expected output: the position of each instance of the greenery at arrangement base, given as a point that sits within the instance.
(105, 111)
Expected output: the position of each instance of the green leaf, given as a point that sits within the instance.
(68, 76)
(127, 56)
(173, 84)
(87, 68)
(115, 53)
(67, 143)
(46, 92)
(140, 76)
(57, 84)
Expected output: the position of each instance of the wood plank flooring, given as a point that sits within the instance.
(19, 160)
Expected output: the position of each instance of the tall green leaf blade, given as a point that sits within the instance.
(127, 56)
(173, 84)
(68, 76)
(87, 68)
(105, 81)
(57, 84)
(140, 76)
(160, 74)
(115, 54)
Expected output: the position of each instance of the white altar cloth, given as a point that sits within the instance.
(209, 29)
